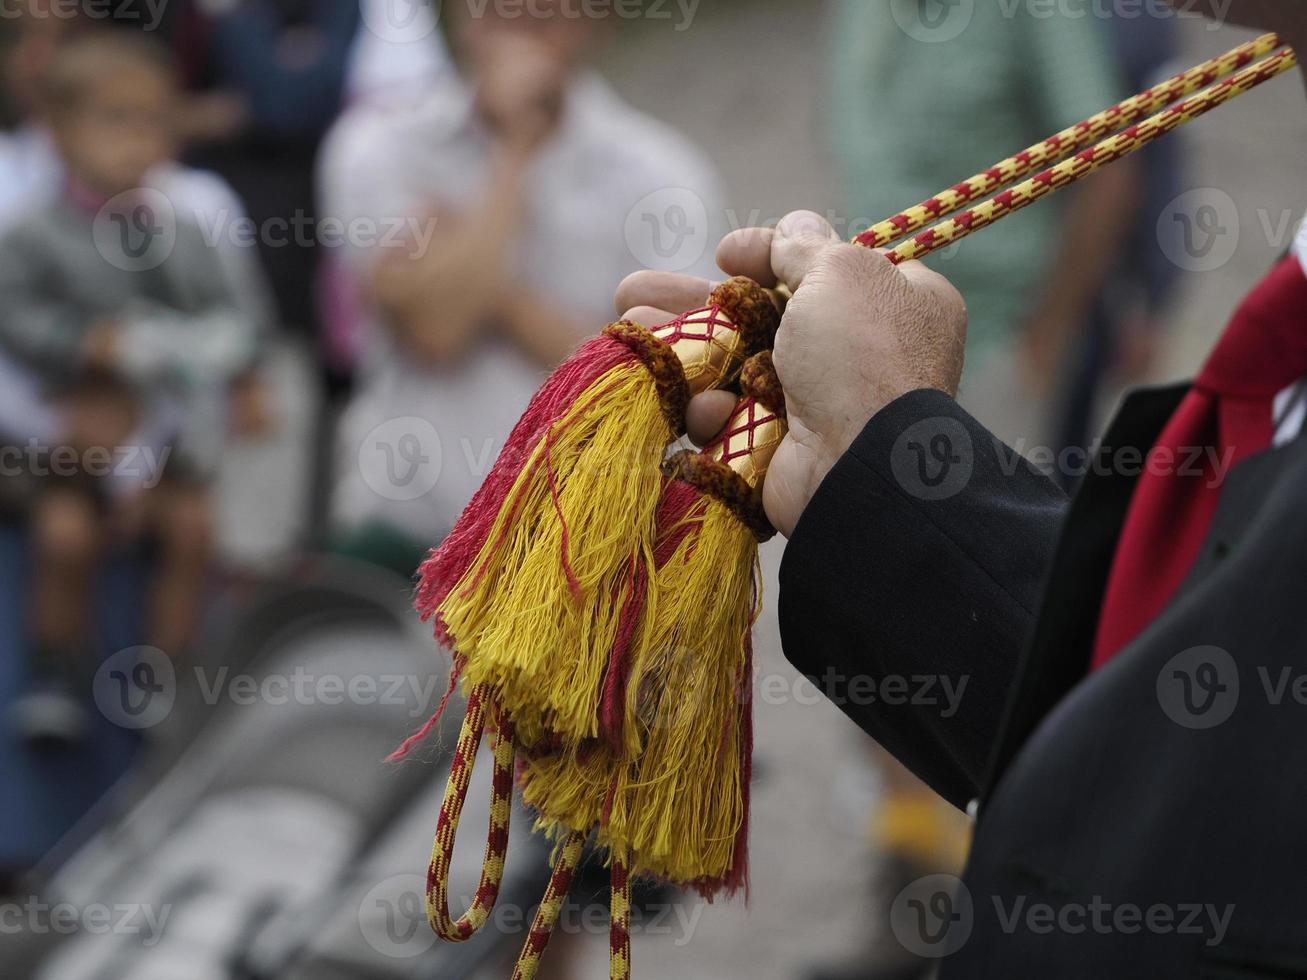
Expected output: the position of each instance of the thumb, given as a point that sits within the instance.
(800, 239)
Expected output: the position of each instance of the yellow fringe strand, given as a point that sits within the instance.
(537, 614)
(567, 787)
(677, 807)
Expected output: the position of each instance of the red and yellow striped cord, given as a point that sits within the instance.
(1070, 140)
(479, 704)
(619, 915)
(551, 907)
(1089, 160)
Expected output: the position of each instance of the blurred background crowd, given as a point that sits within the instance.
(277, 277)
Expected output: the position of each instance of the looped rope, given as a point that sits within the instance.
(479, 703)
(551, 907)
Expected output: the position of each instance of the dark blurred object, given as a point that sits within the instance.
(268, 78)
(264, 837)
(1121, 330)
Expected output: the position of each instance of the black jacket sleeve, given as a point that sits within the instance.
(911, 581)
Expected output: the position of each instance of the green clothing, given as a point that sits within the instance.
(916, 111)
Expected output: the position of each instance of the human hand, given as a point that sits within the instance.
(251, 414)
(858, 333)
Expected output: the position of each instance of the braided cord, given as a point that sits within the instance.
(1087, 161)
(1070, 140)
(551, 907)
(619, 913)
(479, 704)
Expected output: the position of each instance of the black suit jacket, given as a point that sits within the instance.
(1145, 820)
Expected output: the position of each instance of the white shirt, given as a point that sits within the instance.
(614, 191)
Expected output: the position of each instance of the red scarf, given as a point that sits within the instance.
(1229, 410)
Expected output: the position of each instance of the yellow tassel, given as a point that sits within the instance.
(567, 787)
(677, 807)
(536, 616)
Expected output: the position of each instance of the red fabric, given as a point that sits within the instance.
(1229, 410)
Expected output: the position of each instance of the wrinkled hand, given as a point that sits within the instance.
(858, 333)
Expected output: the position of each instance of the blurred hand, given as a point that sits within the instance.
(858, 333)
(252, 412)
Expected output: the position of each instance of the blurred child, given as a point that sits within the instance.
(135, 332)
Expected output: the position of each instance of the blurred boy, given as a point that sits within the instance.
(134, 330)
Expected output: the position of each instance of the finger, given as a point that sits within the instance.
(663, 291)
(747, 252)
(708, 414)
(801, 238)
(648, 316)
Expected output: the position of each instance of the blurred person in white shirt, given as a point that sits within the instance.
(487, 223)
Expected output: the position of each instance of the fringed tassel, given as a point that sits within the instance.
(680, 807)
(535, 616)
(541, 607)
(450, 561)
